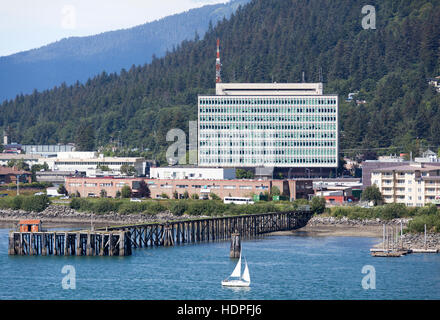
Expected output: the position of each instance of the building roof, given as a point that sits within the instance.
(423, 168)
(103, 159)
(13, 171)
(29, 221)
(13, 156)
(268, 89)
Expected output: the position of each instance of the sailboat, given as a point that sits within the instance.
(238, 280)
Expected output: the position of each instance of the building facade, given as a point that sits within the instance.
(268, 125)
(89, 165)
(10, 175)
(91, 187)
(415, 184)
(29, 159)
(192, 173)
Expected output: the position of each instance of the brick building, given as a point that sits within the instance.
(9, 175)
(88, 186)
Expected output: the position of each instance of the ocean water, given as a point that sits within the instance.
(281, 268)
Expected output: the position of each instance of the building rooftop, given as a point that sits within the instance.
(247, 89)
(418, 167)
(13, 171)
(99, 159)
(14, 156)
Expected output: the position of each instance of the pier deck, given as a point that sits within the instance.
(120, 240)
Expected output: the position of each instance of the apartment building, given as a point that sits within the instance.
(415, 184)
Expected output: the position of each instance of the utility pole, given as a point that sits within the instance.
(18, 183)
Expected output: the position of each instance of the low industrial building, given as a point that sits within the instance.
(47, 150)
(29, 159)
(91, 187)
(55, 177)
(89, 164)
(192, 173)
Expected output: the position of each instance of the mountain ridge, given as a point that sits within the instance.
(264, 41)
(79, 58)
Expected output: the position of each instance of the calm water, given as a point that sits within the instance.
(281, 267)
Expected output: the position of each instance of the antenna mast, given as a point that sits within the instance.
(218, 65)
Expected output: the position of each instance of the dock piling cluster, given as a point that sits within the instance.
(74, 243)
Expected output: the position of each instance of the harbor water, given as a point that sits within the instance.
(281, 267)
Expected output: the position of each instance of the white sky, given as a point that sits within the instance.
(28, 24)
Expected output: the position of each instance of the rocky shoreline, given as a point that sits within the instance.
(59, 214)
(409, 241)
(344, 221)
(416, 241)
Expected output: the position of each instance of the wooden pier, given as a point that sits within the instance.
(120, 240)
(212, 229)
(70, 243)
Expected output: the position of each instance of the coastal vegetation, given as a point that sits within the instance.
(180, 207)
(31, 185)
(372, 193)
(27, 203)
(429, 215)
(384, 212)
(264, 41)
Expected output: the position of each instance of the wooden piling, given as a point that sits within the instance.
(110, 244)
(89, 251)
(122, 243)
(235, 246)
(167, 238)
(102, 244)
(11, 243)
(78, 249)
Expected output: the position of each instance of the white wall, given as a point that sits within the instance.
(192, 173)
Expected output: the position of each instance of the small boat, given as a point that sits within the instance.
(237, 279)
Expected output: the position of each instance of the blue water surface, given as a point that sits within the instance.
(281, 268)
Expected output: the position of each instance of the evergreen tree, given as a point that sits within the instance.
(126, 192)
(85, 138)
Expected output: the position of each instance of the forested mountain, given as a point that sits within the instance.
(79, 58)
(264, 41)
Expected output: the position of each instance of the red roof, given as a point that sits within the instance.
(29, 221)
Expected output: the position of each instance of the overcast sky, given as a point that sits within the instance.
(28, 24)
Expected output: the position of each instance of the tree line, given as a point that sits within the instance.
(264, 41)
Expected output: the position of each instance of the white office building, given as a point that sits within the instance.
(90, 165)
(268, 125)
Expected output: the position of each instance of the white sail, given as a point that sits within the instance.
(246, 276)
(237, 270)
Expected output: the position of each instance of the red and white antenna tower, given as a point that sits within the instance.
(218, 65)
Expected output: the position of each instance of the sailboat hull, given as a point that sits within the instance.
(235, 283)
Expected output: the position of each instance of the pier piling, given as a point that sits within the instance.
(234, 252)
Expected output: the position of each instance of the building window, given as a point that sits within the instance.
(91, 185)
(75, 184)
